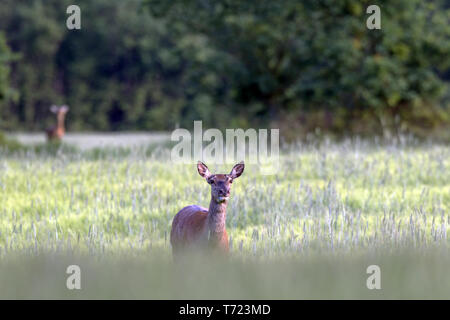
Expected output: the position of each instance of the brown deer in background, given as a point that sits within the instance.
(56, 133)
(197, 226)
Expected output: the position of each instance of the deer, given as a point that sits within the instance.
(198, 227)
(56, 133)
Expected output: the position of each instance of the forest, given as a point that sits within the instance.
(309, 66)
(352, 203)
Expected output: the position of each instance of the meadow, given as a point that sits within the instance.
(310, 231)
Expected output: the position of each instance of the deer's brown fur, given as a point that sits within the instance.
(57, 132)
(198, 227)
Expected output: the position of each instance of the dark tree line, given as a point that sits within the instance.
(153, 64)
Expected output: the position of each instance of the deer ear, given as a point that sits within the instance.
(237, 170)
(54, 109)
(203, 170)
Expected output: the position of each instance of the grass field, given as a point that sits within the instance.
(309, 231)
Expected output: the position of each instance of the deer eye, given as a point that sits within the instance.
(211, 180)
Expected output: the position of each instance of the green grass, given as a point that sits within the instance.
(9, 145)
(405, 275)
(333, 208)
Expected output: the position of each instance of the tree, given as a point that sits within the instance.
(293, 58)
(296, 65)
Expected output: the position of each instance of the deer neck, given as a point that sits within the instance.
(217, 214)
(60, 121)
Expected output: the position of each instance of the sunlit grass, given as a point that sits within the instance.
(329, 200)
(337, 197)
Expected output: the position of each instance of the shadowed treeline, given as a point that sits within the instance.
(153, 65)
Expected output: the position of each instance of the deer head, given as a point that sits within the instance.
(59, 110)
(220, 183)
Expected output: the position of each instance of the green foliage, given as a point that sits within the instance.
(297, 65)
(349, 196)
(297, 58)
(4, 70)
(5, 91)
(310, 231)
(33, 33)
(9, 145)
